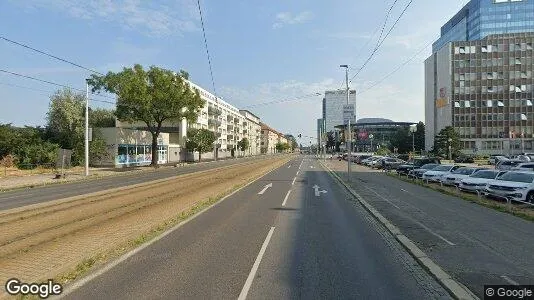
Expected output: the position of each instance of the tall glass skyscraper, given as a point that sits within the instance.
(480, 18)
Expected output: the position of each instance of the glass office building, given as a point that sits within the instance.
(480, 18)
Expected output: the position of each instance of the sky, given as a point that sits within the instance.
(261, 51)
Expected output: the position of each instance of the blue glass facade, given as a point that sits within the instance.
(480, 18)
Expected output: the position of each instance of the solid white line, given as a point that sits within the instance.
(252, 273)
(435, 234)
(285, 199)
(509, 280)
(297, 173)
(292, 183)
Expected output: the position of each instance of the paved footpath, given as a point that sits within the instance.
(474, 244)
(293, 234)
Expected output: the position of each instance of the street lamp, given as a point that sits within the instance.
(450, 154)
(413, 129)
(349, 146)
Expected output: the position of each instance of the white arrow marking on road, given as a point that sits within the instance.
(317, 191)
(265, 188)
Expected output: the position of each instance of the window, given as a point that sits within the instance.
(500, 104)
(523, 117)
(467, 104)
(456, 104)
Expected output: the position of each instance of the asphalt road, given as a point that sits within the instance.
(475, 245)
(27, 196)
(305, 244)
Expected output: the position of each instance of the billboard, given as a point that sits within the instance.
(443, 99)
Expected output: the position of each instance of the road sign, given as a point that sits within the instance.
(348, 113)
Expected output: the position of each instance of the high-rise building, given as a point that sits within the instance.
(333, 107)
(479, 78)
(480, 18)
(484, 90)
(320, 129)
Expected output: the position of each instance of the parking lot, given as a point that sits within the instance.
(476, 244)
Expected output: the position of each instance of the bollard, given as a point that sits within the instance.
(509, 204)
(479, 194)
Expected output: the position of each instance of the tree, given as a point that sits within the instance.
(330, 140)
(25, 146)
(420, 137)
(441, 142)
(66, 125)
(100, 117)
(292, 141)
(150, 96)
(200, 140)
(243, 144)
(402, 140)
(383, 151)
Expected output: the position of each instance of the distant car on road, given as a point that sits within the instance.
(478, 180)
(514, 185)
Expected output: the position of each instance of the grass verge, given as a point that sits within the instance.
(515, 209)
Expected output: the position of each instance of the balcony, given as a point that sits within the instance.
(214, 122)
(230, 127)
(212, 111)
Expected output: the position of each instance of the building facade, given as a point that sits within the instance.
(320, 130)
(333, 107)
(481, 18)
(252, 131)
(483, 89)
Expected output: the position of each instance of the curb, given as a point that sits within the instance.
(456, 289)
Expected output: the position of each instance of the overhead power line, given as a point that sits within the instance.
(50, 55)
(207, 49)
(284, 100)
(381, 41)
(50, 82)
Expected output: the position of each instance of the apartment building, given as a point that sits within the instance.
(252, 131)
(269, 139)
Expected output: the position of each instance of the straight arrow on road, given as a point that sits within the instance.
(265, 188)
(317, 191)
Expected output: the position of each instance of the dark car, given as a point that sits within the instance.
(389, 163)
(464, 159)
(362, 157)
(415, 164)
(418, 173)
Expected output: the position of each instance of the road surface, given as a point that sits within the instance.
(27, 196)
(292, 234)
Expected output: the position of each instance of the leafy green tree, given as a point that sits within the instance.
(420, 137)
(200, 140)
(402, 140)
(243, 144)
(100, 117)
(26, 146)
(66, 125)
(150, 96)
(441, 142)
(292, 141)
(383, 151)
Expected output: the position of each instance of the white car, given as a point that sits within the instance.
(478, 180)
(513, 185)
(529, 166)
(368, 161)
(435, 174)
(457, 175)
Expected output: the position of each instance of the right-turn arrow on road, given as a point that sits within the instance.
(318, 192)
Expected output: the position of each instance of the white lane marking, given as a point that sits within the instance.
(434, 233)
(382, 197)
(252, 273)
(510, 281)
(285, 199)
(16, 196)
(293, 182)
(265, 188)
(404, 190)
(289, 166)
(297, 173)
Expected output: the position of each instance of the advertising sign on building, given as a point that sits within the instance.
(443, 100)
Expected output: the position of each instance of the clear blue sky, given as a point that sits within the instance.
(261, 51)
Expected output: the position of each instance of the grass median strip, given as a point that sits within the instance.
(526, 213)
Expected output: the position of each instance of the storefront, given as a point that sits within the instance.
(128, 147)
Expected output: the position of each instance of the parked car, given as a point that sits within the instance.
(369, 161)
(416, 163)
(524, 158)
(435, 174)
(514, 185)
(362, 157)
(464, 159)
(495, 158)
(418, 173)
(478, 180)
(507, 164)
(389, 163)
(457, 175)
(527, 166)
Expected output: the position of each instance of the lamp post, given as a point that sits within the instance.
(450, 146)
(349, 136)
(413, 129)
(87, 128)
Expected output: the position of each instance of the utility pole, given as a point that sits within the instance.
(87, 129)
(349, 136)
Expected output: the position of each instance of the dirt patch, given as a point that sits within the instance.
(53, 239)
